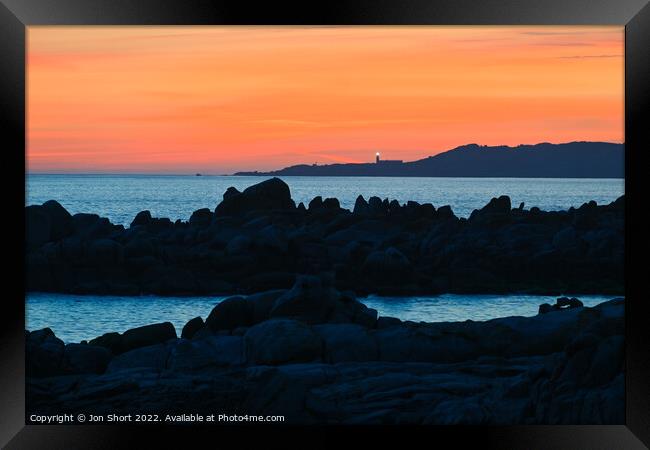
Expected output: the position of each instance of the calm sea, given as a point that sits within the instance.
(75, 317)
(121, 197)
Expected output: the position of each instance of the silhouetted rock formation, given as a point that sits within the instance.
(258, 240)
(544, 160)
(329, 359)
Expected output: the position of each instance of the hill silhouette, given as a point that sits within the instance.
(544, 160)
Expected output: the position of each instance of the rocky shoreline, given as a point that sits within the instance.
(315, 354)
(258, 240)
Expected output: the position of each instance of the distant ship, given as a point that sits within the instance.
(198, 175)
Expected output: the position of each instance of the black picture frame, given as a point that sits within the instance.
(16, 15)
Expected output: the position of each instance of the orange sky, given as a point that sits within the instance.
(221, 99)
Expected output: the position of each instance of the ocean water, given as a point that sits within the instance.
(75, 317)
(121, 197)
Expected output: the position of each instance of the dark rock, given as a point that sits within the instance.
(385, 322)
(564, 368)
(331, 203)
(310, 300)
(37, 226)
(281, 341)
(364, 316)
(607, 361)
(261, 304)
(347, 342)
(565, 302)
(80, 358)
(565, 238)
(142, 218)
(111, 341)
(315, 203)
(147, 335)
(360, 206)
(201, 218)
(376, 206)
(498, 205)
(231, 313)
(44, 354)
(496, 212)
(230, 192)
(545, 308)
(90, 226)
(139, 247)
(445, 212)
(191, 327)
(216, 351)
(269, 280)
(104, 252)
(60, 219)
(272, 194)
(387, 266)
(150, 356)
(260, 241)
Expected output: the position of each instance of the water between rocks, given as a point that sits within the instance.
(77, 317)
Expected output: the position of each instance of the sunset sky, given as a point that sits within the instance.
(222, 99)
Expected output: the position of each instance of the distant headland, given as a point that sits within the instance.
(544, 160)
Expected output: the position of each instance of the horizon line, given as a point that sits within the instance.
(194, 173)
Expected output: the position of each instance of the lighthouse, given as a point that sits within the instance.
(377, 158)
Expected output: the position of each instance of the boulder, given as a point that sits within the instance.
(445, 212)
(261, 304)
(147, 335)
(111, 341)
(60, 219)
(362, 315)
(495, 212)
(347, 342)
(360, 206)
(385, 266)
(316, 203)
(191, 355)
(140, 246)
(607, 361)
(83, 358)
(230, 192)
(565, 238)
(386, 322)
(311, 300)
(201, 218)
(192, 327)
(231, 313)
(565, 302)
(376, 206)
(500, 205)
(282, 341)
(268, 280)
(37, 226)
(331, 203)
(91, 226)
(150, 356)
(142, 218)
(43, 354)
(239, 245)
(104, 252)
(272, 194)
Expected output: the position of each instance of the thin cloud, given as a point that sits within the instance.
(589, 56)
